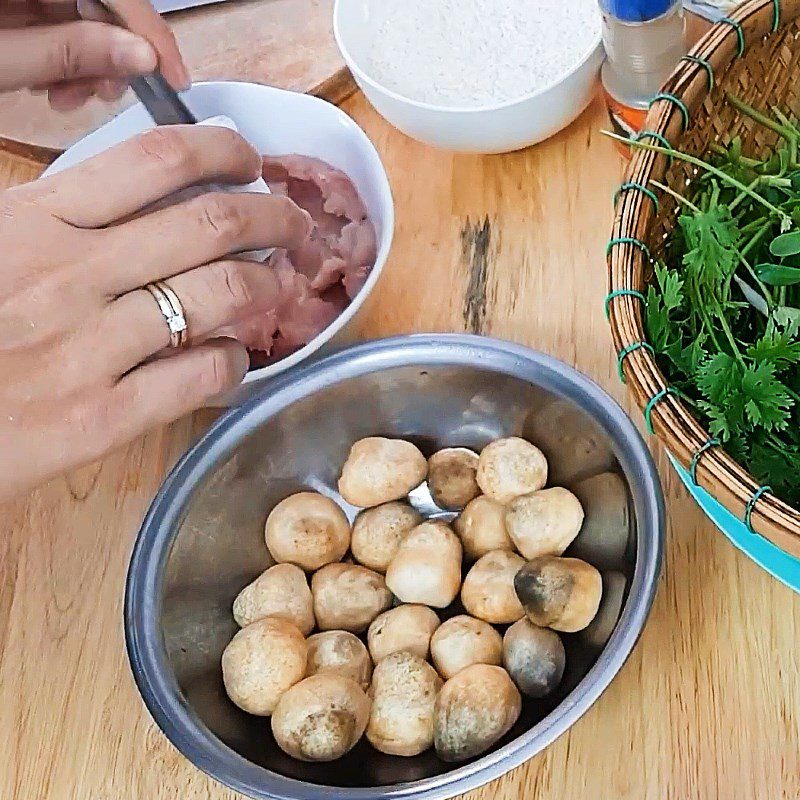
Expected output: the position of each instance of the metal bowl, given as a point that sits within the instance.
(202, 541)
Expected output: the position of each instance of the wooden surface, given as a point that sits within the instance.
(285, 43)
(511, 246)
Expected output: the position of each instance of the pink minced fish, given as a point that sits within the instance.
(318, 280)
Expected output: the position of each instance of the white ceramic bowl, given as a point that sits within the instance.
(489, 129)
(278, 122)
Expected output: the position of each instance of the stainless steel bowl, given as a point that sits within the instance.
(202, 540)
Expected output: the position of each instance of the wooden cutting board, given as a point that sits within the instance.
(284, 43)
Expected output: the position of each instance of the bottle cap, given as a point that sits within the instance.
(637, 10)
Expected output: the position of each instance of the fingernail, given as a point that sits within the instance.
(131, 53)
(184, 77)
(241, 360)
(111, 90)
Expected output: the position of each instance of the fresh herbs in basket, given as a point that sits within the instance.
(723, 313)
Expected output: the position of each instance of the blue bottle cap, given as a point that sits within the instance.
(637, 10)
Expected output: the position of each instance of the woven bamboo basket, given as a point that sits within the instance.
(754, 54)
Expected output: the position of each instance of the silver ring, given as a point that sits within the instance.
(170, 306)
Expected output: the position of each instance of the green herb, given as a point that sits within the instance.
(723, 313)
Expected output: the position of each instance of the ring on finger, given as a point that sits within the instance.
(170, 306)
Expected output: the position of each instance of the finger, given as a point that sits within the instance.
(54, 10)
(164, 390)
(65, 97)
(24, 14)
(212, 296)
(141, 18)
(58, 53)
(92, 10)
(109, 91)
(145, 169)
(152, 395)
(198, 231)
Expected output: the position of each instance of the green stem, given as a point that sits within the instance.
(774, 180)
(762, 119)
(728, 333)
(672, 193)
(783, 119)
(697, 162)
(741, 196)
(699, 304)
(745, 160)
(755, 239)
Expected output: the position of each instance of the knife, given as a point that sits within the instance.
(161, 100)
(154, 92)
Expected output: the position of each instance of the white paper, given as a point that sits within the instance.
(166, 6)
(259, 185)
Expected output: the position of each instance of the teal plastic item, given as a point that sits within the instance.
(780, 565)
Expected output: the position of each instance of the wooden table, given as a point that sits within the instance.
(510, 246)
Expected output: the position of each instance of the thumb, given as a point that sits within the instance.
(40, 56)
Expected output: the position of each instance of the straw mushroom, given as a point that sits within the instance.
(348, 597)
(407, 627)
(488, 590)
(261, 662)
(603, 540)
(307, 529)
(463, 641)
(481, 526)
(282, 591)
(574, 443)
(534, 658)
(508, 468)
(321, 718)
(451, 477)
(379, 470)
(544, 523)
(404, 690)
(427, 567)
(474, 710)
(559, 593)
(339, 653)
(377, 533)
(599, 631)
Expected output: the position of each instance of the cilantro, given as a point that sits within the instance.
(671, 285)
(712, 239)
(736, 362)
(775, 347)
(767, 400)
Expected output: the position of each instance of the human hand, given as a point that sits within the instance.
(78, 333)
(70, 50)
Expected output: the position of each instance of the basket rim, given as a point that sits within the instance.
(669, 418)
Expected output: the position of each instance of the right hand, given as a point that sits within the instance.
(75, 50)
(78, 333)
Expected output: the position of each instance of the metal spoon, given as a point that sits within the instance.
(156, 95)
(161, 100)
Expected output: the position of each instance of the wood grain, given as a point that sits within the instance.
(505, 245)
(284, 43)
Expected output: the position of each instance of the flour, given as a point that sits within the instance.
(478, 52)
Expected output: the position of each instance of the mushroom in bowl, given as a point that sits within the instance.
(203, 539)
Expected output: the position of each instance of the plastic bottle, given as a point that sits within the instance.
(643, 40)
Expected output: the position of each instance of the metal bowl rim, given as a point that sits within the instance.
(145, 647)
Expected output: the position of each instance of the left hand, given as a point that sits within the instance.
(72, 51)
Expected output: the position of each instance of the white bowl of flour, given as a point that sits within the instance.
(482, 76)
